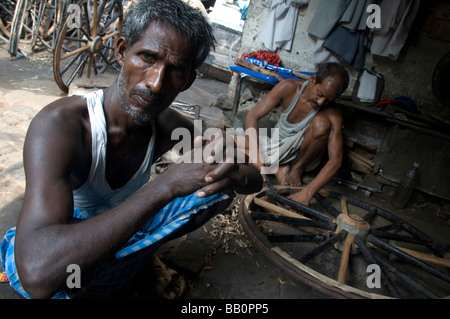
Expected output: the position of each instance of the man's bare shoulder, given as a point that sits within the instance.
(62, 122)
(334, 114)
(286, 90)
(70, 104)
(64, 111)
(290, 85)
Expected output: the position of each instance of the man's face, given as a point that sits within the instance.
(154, 71)
(323, 93)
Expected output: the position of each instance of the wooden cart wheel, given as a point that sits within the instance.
(331, 244)
(7, 8)
(48, 18)
(21, 29)
(87, 46)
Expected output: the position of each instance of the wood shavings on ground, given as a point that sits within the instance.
(227, 231)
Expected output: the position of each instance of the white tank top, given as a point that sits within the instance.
(95, 194)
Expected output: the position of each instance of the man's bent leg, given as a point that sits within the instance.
(313, 146)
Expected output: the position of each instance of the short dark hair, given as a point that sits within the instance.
(179, 15)
(333, 69)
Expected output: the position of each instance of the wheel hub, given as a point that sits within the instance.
(96, 44)
(353, 224)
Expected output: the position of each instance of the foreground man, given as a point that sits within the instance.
(310, 124)
(88, 201)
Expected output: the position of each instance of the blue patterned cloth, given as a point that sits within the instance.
(129, 259)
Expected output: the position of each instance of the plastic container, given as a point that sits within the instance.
(406, 187)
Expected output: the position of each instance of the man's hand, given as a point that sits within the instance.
(232, 173)
(302, 197)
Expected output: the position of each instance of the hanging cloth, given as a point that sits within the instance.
(328, 14)
(278, 32)
(396, 21)
(348, 46)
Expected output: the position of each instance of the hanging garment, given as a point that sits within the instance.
(279, 29)
(396, 21)
(326, 17)
(347, 45)
(322, 55)
(355, 17)
(339, 27)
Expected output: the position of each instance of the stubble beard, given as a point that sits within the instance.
(139, 118)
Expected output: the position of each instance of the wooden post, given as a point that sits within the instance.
(345, 256)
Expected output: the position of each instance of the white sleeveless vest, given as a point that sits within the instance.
(95, 194)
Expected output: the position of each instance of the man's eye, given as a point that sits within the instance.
(147, 56)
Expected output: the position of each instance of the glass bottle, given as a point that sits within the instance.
(405, 188)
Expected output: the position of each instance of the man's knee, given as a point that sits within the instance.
(320, 127)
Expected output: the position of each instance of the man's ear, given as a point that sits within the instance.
(313, 78)
(121, 48)
(191, 80)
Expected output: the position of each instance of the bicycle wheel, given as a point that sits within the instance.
(87, 44)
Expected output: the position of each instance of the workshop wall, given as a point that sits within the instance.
(409, 75)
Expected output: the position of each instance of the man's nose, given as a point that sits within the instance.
(154, 78)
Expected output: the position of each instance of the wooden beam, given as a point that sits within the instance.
(265, 204)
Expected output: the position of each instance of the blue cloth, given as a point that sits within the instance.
(132, 256)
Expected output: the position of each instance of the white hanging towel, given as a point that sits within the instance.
(279, 29)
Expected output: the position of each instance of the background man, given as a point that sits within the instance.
(310, 123)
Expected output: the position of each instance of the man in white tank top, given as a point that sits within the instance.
(88, 201)
(310, 124)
